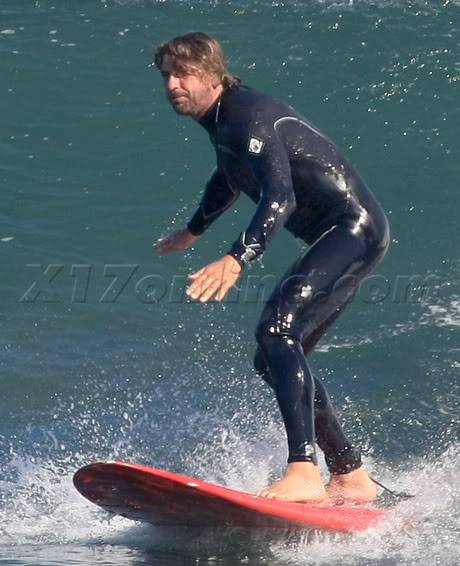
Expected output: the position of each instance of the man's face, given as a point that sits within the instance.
(189, 90)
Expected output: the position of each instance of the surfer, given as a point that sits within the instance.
(299, 180)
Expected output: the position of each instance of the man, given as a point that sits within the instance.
(299, 180)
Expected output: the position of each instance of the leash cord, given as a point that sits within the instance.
(400, 495)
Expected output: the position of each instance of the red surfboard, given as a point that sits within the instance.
(165, 498)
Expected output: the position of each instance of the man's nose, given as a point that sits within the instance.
(172, 82)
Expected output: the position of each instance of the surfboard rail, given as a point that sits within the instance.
(165, 498)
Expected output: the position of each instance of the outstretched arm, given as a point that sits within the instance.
(217, 197)
(175, 242)
(272, 170)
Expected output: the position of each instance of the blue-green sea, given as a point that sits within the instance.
(102, 356)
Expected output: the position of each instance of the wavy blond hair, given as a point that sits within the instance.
(199, 50)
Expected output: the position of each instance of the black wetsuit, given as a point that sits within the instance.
(299, 180)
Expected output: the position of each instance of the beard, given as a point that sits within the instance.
(182, 106)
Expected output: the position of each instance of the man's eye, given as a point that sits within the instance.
(185, 73)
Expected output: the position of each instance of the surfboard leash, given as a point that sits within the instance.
(395, 494)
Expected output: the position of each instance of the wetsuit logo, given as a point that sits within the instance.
(255, 145)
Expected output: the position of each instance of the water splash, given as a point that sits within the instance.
(40, 508)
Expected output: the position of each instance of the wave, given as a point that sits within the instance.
(41, 509)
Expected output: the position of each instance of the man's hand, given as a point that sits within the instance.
(215, 279)
(175, 242)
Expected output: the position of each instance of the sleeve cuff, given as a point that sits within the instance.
(194, 228)
(241, 263)
(244, 253)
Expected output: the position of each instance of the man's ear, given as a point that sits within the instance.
(215, 81)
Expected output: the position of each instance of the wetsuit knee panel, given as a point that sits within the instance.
(266, 331)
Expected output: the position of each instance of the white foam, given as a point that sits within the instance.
(41, 506)
(447, 314)
(41, 509)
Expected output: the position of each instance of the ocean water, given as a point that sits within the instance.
(102, 357)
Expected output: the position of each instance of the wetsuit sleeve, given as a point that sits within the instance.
(217, 197)
(269, 163)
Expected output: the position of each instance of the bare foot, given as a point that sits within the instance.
(301, 482)
(355, 486)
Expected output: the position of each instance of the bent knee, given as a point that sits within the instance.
(274, 340)
(266, 331)
(264, 334)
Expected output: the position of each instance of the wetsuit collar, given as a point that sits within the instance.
(210, 119)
